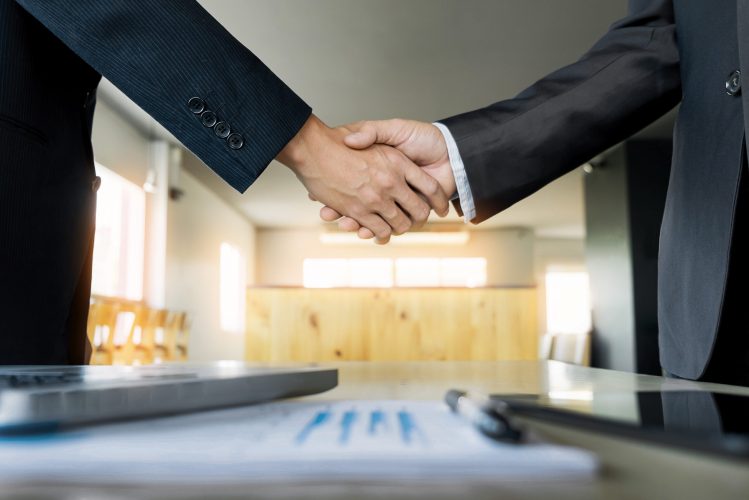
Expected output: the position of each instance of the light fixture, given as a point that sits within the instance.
(425, 238)
(150, 185)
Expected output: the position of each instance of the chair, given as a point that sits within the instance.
(102, 323)
(566, 347)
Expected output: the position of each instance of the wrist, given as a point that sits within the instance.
(450, 186)
(299, 150)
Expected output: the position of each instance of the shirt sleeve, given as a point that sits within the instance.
(464, 195)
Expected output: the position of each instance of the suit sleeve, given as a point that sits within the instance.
(627, 80)
(162, 53)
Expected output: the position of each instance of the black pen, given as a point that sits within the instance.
(489, 419)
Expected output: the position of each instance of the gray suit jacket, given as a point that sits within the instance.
(663, 52)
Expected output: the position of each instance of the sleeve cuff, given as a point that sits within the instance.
(459, 172)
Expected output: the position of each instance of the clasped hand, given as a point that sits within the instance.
(378, 178)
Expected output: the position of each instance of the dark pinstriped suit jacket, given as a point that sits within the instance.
(663, 52)
(160, 53)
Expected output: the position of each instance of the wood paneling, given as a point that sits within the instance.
(296, 324)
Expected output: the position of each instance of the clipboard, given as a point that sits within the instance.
(700, 421)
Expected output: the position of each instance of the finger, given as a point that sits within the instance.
(396, 217)
(365, 233)
(428, 186)
(328, 214)
(381, 230)
(414, 205)
(311, 197)
(349, 225)
(361, 139)
(368, 133)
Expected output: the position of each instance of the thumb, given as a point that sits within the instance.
(361, 139)
(365, 134)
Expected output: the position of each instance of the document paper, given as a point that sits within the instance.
(287, 441)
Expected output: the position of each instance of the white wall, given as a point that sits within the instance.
(281, 252)
(197, 225)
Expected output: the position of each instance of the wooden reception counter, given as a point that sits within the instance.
(396, 324)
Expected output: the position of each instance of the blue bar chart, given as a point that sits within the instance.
(375, 424)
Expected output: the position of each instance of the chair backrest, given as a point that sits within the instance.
(102, 324)
(567, 347)
(126, 333)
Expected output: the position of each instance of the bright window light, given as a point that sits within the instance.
(231, 289)
(374, 273)
(407, 272)
(119, 243)
(417, 272)
(469, 273)
(326, 273)
(567, 302)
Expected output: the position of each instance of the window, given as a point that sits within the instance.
(417, 272)
(386, 273)
(567, 302)
(119, 243)
(450, 272)
(231, 289)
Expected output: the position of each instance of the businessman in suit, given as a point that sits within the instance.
(664, 52)
(179, 64)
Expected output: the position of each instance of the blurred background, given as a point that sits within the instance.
(187, 268)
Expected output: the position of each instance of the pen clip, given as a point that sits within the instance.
(491, 418)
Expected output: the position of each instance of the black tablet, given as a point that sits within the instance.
(697, 420)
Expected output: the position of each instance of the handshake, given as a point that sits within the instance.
(378, 178)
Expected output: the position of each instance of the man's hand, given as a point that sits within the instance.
(421, 142)
(373, 186)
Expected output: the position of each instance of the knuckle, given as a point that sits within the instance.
(357, 212)
(391, 214)
(422, 214)
(371, 198)
(433, 186)
(383, 232)
(405, 226)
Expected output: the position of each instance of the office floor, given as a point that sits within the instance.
(630, 470)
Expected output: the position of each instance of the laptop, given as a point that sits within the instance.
(46, 398)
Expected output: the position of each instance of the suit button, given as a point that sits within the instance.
(222, 130)
(96, 184)
(196, 105)
(209, 119)
(236, 141)
(733, 84)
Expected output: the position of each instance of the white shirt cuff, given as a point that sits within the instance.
(465, 197)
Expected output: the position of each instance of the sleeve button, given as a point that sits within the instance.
(733, 84)
(222, 130)
(236, 141)
(208, 118)
(196, 105)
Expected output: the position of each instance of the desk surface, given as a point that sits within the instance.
(631, 470)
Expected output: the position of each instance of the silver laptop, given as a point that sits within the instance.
(44, 398)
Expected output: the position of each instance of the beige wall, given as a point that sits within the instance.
(281, 252)
(119, 146)
(197, 225)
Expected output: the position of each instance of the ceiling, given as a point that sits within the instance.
(421, 59)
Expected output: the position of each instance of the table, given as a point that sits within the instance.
(630, 469)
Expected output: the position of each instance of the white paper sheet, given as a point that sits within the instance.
(284, 441)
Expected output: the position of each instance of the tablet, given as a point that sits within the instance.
(697, 420)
